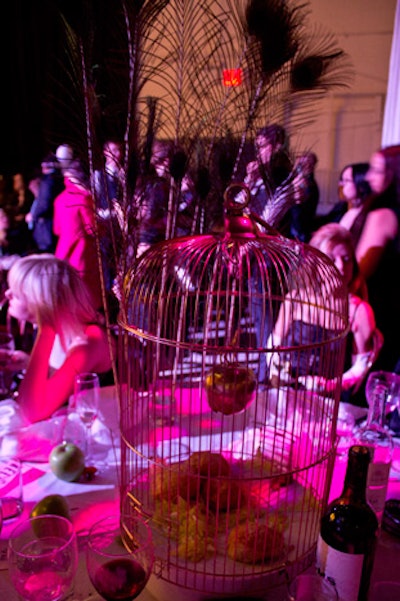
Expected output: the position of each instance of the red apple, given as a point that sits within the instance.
(230, 388)
(67, 461)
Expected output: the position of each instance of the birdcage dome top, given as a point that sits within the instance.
(232, 278)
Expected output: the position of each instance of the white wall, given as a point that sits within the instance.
(349, 126)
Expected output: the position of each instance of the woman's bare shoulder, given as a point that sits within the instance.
(381, 222)
(361, 312)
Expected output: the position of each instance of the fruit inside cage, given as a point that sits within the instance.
(231, 467)
(246, 510)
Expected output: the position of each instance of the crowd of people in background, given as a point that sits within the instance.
(57, 213)
(367, 207)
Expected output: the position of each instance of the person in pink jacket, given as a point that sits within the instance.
(74, 225)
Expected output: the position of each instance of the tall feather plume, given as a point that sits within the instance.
(152, 69)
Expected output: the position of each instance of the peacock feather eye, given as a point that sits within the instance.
(275, 26)
(178, 164)
(307, 72)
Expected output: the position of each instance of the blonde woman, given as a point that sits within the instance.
(70, 337)
(304, 327)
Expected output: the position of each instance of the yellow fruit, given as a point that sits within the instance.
(53, 505)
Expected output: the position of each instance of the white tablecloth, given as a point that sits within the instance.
(89, 501)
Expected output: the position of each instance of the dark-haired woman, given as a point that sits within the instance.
(353, 191)
(377, 244)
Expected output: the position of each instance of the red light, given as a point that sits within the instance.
(232, 77)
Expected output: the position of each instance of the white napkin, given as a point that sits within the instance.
(33, 442)
(28, 441)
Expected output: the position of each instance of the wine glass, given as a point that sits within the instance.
(43, 558)
(345, 426)
(6, 345)
(86, 401)
(390, 381)
(387, 382)
(120, 556)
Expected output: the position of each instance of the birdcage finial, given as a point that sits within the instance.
(237, 222)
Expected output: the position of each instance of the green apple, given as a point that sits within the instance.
(67, 461)
(52, 505)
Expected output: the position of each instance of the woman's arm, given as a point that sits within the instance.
(42, 393)
(381, 226)
(362, 327)
(278, 367)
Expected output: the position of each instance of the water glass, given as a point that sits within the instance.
(86, 404)
(11, 495)
(43, 558)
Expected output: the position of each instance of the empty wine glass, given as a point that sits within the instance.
(345, 430)
(391, 384)
(86, 401)
(387, 379)
(119, 557)
(43, 558)
(6, 345)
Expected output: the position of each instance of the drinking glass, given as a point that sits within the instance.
(390, 381)
(345, 430)
(43, 558)
(11, 487)
(6, 344)
(120, 557)
(86, 401)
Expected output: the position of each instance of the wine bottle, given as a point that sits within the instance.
(376, 437)
(348, 535)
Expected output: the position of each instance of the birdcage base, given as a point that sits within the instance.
(188, 581)
(296, 495)
(221, 576)
(271, 586)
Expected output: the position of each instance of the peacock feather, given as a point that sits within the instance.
(146, 70)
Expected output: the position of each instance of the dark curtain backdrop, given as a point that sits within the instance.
(32, 39)
(42, 104)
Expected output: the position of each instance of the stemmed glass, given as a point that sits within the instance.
(6, 345)
(344, 428)
(119, 557)
(43, 558)
(86, 401)
(391, 383)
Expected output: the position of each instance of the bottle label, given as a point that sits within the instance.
(342, 569)
(378, 474)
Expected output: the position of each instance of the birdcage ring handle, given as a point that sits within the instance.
(236, 196)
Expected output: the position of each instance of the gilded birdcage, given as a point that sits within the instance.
(227, 421)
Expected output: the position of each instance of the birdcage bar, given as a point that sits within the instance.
(231, 468)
